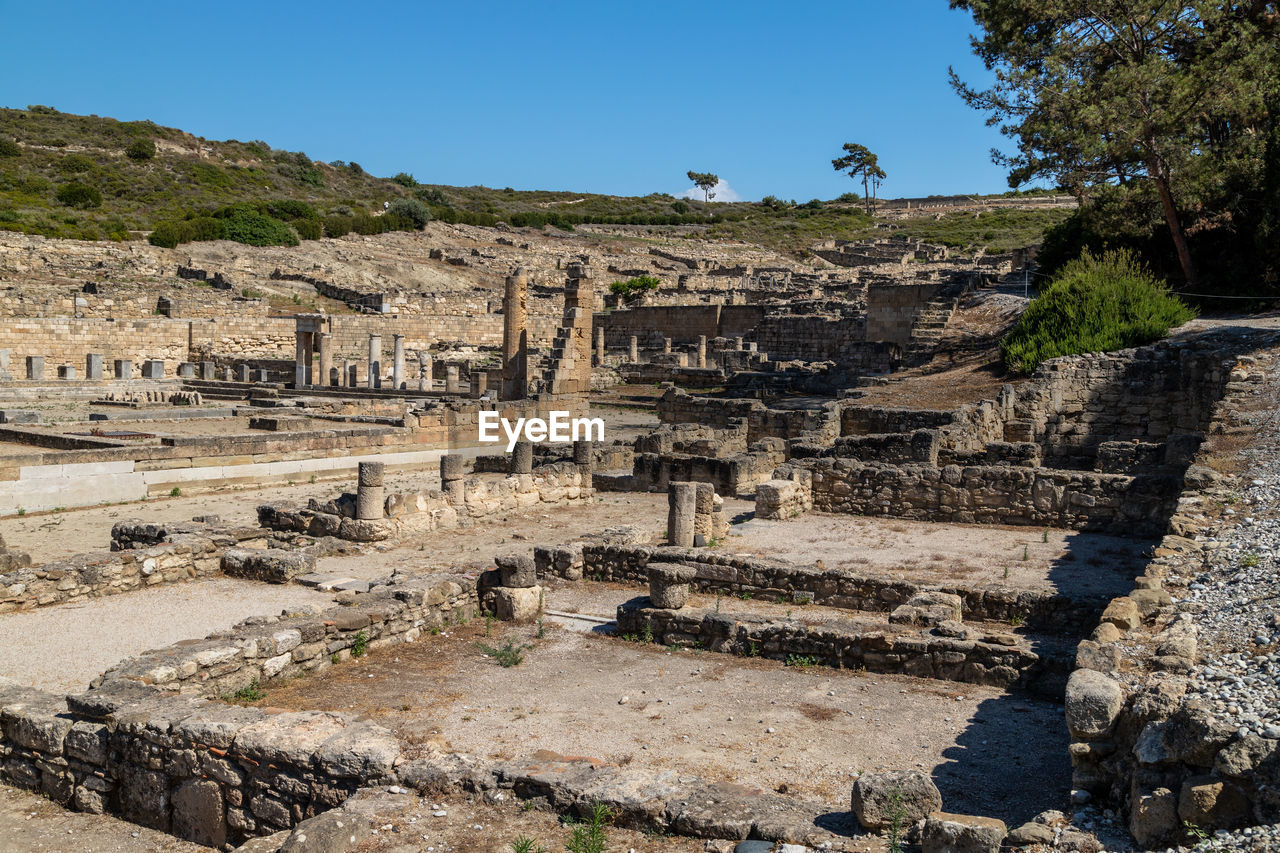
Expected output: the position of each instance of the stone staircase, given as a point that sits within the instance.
(930, 324)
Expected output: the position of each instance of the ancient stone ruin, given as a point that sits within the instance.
(822, 578)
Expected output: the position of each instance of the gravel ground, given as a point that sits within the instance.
(62, 648)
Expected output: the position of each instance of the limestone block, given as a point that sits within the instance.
(198, 813)
(517, 570)
(955, 833)
(521, 604)
(874, 795)
(1093, 702)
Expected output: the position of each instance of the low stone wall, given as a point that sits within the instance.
(781, 581)
(868, 645)
(558, 483)
(732, 475)
(1111, 503)
(107, 573)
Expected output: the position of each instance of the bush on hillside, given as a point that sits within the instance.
(9, 148)
(412, 209)
(1095, 304)
(256, 229)
(79, 195)
(140, 150)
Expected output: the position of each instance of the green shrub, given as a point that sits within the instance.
(9, 148)
(166, 235)
(255, 229)
(1095, 304)
(337, 225)
(79, 195)
(632, 286)
(432, 196)
(308, 229)
(404, 179)
(412, 209)
(75, 164)
(140, 150)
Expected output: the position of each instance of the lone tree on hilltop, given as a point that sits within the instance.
(705, 181)
(859, 162)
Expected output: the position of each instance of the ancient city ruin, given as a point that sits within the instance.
(825, 581)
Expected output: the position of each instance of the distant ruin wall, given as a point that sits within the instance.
(892, 308)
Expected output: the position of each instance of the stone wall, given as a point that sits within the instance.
(782, 581)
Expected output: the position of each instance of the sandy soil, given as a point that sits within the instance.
(29, 822)
(745, 720)
(62, 648)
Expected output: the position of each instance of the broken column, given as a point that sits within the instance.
(666, 345)
(93, 365)
(245, 373)
(208, 370)
(704, 506)
(584, 458)
(187, 369)
(425, 382)
(737, 342)
(515, 337)
(599, 346)
(153, 369)
(634, 352)
(452, 382)
(229, 373)
(350, 373)
(519, 599)
(35, 367)
(681, 507)
(302, 345)
(522, 458)
(669, 584)
(479, 383)
(370, 497)
(325, 343)
(66, 371)
(123, 368)
(452, 473)
(702, 350)
(375, 361)
(397, 362)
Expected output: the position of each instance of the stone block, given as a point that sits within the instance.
(876, 796)
(517, 604)
(198, 813)
(955, 833)
(517, 570)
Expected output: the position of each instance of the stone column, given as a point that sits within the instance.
(599, 347)
(704, 506)
(452, 382)
(153, 369)
(208, 370)
(702, 350)
(301, 359)
(375, 361)
(93, 365)
(230, 373)
(370, 499)
(737, 342)
(452, 472)
(425, 382)
(515, 336)
(479, 383)
(519, 598)
(522, 458)
(245, 373)
(397, 362)
(325, 378)
(187, 370)
(584, 458)
(350, 373)
(35, 367)
(634, 352)
(681, 506)
(123, 368)
(669, 584)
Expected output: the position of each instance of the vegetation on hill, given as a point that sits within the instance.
(92, 178)
(1094, 304)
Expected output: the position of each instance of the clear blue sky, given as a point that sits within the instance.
(599, 97)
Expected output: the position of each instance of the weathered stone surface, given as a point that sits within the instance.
(521, 604)
(1212, 803)
(198, 813)
(517, 570)
(876, 796)
(1093, 702)
(955, 833)
(1153, 817)
(360, 750)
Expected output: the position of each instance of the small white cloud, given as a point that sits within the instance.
(720, 192)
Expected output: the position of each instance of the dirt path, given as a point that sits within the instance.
(29, 823)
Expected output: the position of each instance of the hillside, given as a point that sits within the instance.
(95, 178)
